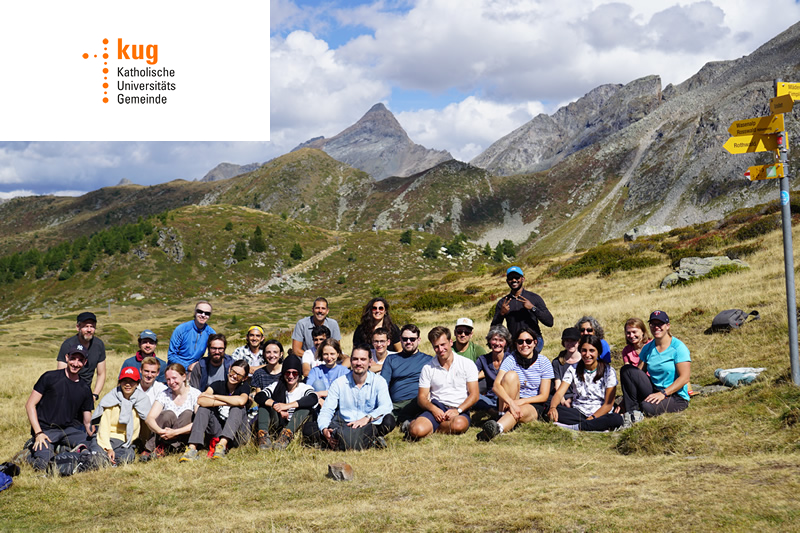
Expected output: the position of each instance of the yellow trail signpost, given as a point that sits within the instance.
(765, 134)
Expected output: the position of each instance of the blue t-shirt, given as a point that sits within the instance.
(529, 378)
(606, 355)
(401, 372)
(325, 374)
(661, 365)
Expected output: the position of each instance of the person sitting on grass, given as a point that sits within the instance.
(380, 349)
(463, 343)
(566, 359)
(284, 406)
(318, 334)
(636, 337)
(117, 418)
(588, 325)
(358, 412)
(170, 418)
(321, 377)
(271, 371)
(59, 408)
(252, 351)
(448, 388)
(661, 382)
(499, 341)
(595, 388)
(522, 386)
(222, 413)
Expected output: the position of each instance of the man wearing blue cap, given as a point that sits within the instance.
(521, 308)
(147, 348)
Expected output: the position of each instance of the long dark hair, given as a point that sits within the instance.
(522, 361)
(368, 323)
(600, 371)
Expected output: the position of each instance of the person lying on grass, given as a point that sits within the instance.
(595, 386)
(522, 386)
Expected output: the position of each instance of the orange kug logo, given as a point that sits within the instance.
(138, 51)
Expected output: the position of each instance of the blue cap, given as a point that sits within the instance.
(147, 334)
(515, 269)
(661, 316)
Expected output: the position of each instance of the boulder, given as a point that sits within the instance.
(644, 231)
(696, 267)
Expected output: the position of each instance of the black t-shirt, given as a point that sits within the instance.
(63, 400)
(221, 388)
(96, 354)
(559, 370)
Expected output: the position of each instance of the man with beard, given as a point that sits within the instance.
(522, 308)
(94, 351)
(213, 367)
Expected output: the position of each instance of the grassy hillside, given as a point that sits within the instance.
(727, 463)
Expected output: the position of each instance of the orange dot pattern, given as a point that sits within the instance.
(105, 68)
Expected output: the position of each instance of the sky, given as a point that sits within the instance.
(457, 74)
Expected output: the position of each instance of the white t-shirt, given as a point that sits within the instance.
(310, 358)
(153, 391)
(590, 395)
(167, 399)
(448, 386)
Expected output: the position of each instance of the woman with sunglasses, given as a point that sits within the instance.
(284, 406)
(222, 413)
(375, 315)
(522, 386)
(595, 386)
(588, 325)
(660, 384)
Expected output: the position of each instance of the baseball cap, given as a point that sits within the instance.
(77, 347)
(86, 315)
(129, 372)
(661, 316)
(148, 334)
(514, 270)
(465, 322)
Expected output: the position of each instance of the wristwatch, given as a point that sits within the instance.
(459, 410)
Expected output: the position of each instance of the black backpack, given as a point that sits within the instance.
(732, 319)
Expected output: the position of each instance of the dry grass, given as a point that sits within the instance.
(730, 462)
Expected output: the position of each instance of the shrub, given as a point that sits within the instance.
(433, 300)
(405, 237)
(240, 251)
(758, 228)
(743, 250)
(472, 289)
(257, 242)
(297, 252)
(629, 263)
(229, 226)
(450, 277)
(431, 251)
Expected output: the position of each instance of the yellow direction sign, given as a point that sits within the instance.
(764, 172)
(743, 144)
(758, 125)
(792, 89)
(781, 104)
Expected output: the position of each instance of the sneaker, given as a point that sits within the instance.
(219, 452)
(283, 439)
(80, 448)
(189, 455)
(405, 427)
(380, 442)
(627, 421)
(212, 447)
(490, 430)
(160, 452)
(264, 442)
(145, 456)
(637, 416)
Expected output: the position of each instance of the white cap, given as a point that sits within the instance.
(465, 322)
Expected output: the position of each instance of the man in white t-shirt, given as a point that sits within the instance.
(448, 388)
(151, 368)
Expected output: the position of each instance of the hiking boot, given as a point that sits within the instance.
(145, 456)
(627, 421)
(380, 442)
(637, 416)
(160, 452)
(283, 439)
(24, 455)
(264, 442)
(212, 447)
(405, 427)
(189, 455)
(490, 430)
(219, 452)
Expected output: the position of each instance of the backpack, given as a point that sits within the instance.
(731, 319)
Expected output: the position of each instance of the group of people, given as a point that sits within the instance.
(202, 399)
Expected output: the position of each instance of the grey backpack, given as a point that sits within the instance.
(731, 319)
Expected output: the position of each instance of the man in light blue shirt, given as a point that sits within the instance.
(358, 410)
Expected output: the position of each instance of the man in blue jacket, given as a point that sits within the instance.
(189, 340)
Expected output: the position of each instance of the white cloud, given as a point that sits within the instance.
(15, 194)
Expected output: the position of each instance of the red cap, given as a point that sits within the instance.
(130, 372)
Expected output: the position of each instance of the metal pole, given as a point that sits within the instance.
(788, 259)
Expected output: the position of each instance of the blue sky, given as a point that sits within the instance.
(457, 74)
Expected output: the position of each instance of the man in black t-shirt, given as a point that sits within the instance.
(521, 308)
(94, 349)
(222, 413)
(60, 408)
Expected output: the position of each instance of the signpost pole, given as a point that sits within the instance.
(788, 259)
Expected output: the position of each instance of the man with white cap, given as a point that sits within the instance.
(463, 344)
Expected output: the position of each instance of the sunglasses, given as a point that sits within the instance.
(408, 339)
(587, 330)
(378, 308)
(292, 373)
(204, 313)
(524, 341)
